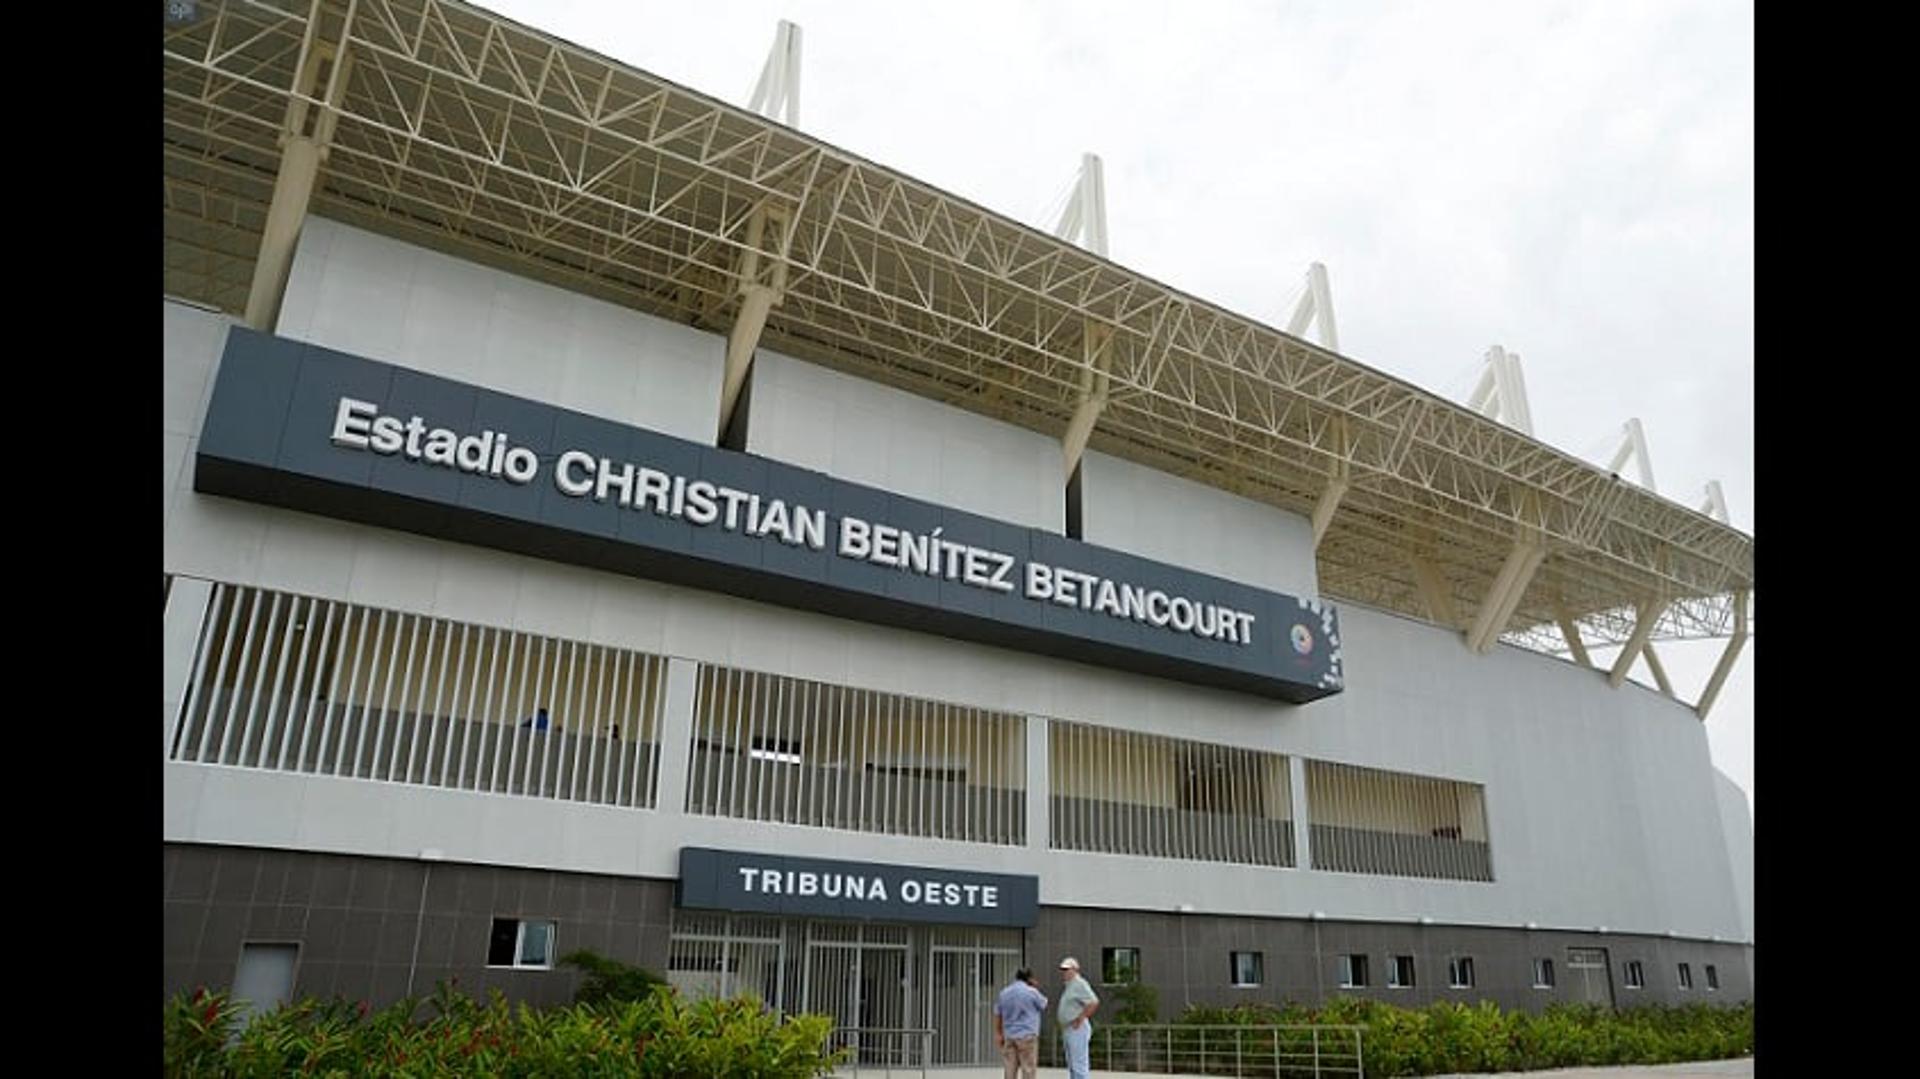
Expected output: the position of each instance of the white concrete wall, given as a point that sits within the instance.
(1601, 803)
(1737, 822)
(1142, 511)
(378, 297)
(864, 432)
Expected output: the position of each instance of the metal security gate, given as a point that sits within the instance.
(1588, 977)
(884, 985)
(966, 972)
(861, 975)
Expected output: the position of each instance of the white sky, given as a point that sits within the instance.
(1572, 181)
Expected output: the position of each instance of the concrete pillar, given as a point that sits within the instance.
(1039, 819)
(676, 734)
(1302, 822)
(186, 609)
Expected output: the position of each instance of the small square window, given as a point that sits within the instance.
(1686, 976)
(1249, 969)
(1353, 972)
(1119, 966)
(1460, 972)
(1543, 974)
(774, 750)
(1635, 977)
(520, 943)
(1713, 977)
(1400, 972)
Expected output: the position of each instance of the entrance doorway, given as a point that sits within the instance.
(869, 977)
(967, 973)
(1588, 976)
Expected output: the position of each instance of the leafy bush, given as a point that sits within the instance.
(609, 979)
(1449, 1037)
(659, 1037)
(1135, 1002)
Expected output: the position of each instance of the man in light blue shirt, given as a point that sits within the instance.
(1078, 1002)
(1016, 1025)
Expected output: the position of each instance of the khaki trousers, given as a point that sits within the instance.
(1020, 1058)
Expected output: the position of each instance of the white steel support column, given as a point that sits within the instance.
(1659, 672)
(1302, 820)
(1336, 489)
(1643, 624)
(1508, 586)
(1715, 503)
(1434, 591)
(1094, 386)
(179, 639)
(292, 191)
(676, 733)
(1571, 632)
(1039, 786)
(1501, 393)
(304, 138)
(1084, 220)
(762, 287)
(1720, 669)
(1633, 443)
(777, 95)
(1316, 308)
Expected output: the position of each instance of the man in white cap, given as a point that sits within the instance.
(1077, 1005)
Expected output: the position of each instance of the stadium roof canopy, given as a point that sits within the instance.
(466, 132)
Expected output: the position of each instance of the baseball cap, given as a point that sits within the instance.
(1069, 963)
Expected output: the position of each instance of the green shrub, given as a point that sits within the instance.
(609, 979)
(1449, 1037)
(659, 1037)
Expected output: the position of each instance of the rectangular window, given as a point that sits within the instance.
(1460, 972)
(1686, 976)
(767, 747)
(1366, 820)
(1713, 977)
(1250, 969)
(1635, 977)
(520, 943)
(1353, 972)
(1400, 972)
(1543, 974)
(1119, 966)
(295, 683)
(1122, 792)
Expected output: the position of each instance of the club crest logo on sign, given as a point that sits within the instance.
(1302, 639)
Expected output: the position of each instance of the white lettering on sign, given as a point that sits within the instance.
(359, 425)
(866, 887)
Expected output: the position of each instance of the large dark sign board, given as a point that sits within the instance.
(780, 884)
(312, 429)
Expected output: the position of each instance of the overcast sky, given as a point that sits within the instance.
(1572, 181)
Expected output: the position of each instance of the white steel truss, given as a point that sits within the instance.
(475, 135)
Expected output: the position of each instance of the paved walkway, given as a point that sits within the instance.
(1717, 1069)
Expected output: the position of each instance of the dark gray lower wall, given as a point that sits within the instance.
(359, 920)
(1187, 958)
(374, 929)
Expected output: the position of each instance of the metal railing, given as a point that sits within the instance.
(1304, 1051)
(882, 1050)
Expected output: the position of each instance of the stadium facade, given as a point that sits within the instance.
(599, 517)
